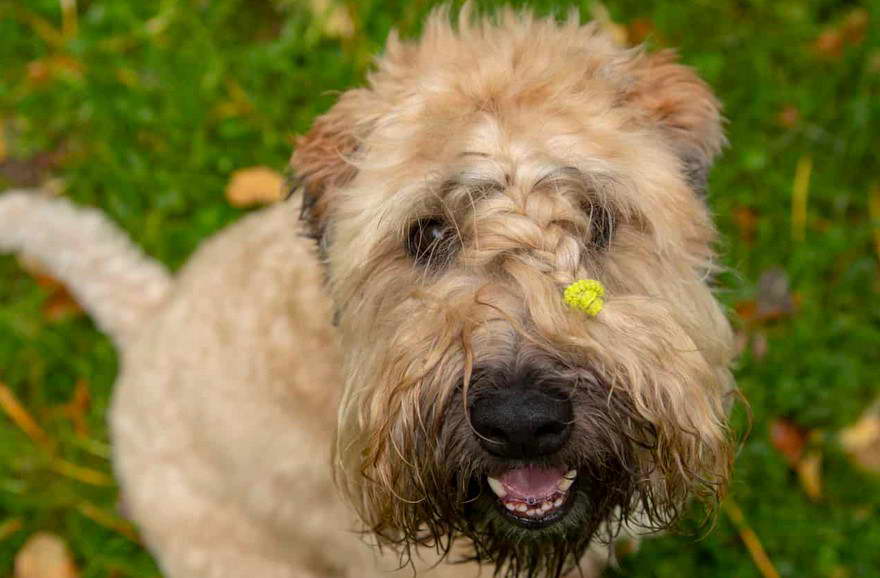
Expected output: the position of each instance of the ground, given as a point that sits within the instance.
(145, 109)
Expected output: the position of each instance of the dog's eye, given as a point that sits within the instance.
(601, 226)
(430, 240)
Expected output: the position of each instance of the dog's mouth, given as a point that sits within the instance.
(533, 496)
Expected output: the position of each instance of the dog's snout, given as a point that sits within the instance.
(521, 422)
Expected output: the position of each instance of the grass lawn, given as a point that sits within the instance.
(145, 109)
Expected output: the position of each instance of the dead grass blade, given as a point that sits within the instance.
(874, 212)
(800, 192)
(10, 527)
(22, 418)
(750, 539)
(108, 520)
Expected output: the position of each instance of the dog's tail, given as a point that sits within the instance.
(109, 276)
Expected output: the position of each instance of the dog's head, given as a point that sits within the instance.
(482, 170)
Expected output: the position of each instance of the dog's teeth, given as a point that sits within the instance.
(546, 507)
(570, 474)
(522, 508)
(557, 503)
(497, 487)
(564, 484)
(510, 506)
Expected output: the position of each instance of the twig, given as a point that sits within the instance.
(750, 539)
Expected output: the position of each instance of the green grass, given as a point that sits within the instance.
(170, 97)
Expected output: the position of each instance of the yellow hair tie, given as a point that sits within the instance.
(585, 295)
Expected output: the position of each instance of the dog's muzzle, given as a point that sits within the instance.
(522, 421)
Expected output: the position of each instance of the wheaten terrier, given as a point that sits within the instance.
(421, 352)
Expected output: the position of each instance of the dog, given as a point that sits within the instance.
(387, 357)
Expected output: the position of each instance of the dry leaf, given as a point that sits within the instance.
(639, 30)
(774, 299)
(760, 345)
(44, 555)
(60, 304)
(254, 186)
(46, 70)
(789, 116)
(850, 32)
(829, 44)
(861, 440)
(809, 470)
(30, 172)
(746, 221)
(789, 439)
(334, 16)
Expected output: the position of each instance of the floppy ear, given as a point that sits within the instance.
(683, 108)
(321, 161)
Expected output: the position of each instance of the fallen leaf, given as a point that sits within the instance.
(254, 186)
(850, 31)
(639, 30)
(760, 346)
(746, 221)
(29, 172)
(44, 555)
(746, 311)
(774, 299)
(10, 527)
(855, 25)
(59, 304)
(789, 439)
(861, 440)
(789, 116)
(829, 44)
(809, 470)
(45, 70)
(334, 17)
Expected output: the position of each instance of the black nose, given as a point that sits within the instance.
(522, 420)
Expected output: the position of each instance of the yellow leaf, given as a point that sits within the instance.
(809, 471)
(861, 441)
(334, 17)
(44, 555)
(254, 186)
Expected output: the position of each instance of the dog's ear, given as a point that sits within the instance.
(322, 159)
(682, 106)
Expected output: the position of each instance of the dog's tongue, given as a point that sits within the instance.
(531, 482)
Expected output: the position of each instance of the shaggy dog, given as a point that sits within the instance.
(404, 308)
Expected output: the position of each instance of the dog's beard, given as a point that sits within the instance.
(606, 450)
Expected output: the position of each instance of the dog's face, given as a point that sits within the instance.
(483, 170)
